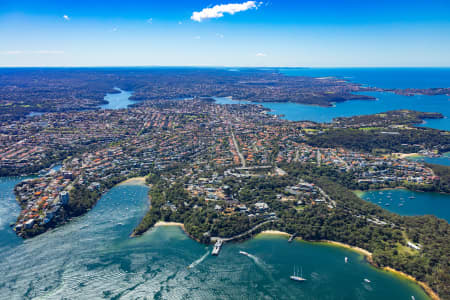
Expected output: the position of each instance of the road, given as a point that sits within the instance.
(236, 237)
(241, 157)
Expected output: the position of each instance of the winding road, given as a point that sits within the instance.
(236, 237)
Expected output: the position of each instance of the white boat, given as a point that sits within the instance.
(346, 259)
(366, 280)
(244, 253)
(295, 277)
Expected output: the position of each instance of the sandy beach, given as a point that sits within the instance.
(359, 193)
(163, 223)
(275, 232)
(405, 155)
(357, 249)
(364, 252)
(134, 181)
(427, 289)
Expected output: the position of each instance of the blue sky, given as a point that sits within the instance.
(319, 33)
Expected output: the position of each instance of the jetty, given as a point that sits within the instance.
(219, 241)
(217, 247)
(292, 237)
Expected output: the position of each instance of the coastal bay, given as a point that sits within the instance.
(387, 78)
(444, 159)
(129, 156)
(155, 263)
(410, 203)
(385, 101)
(117, 100)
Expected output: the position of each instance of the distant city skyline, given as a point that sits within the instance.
(242, 33)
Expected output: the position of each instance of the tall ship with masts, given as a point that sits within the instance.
(295, 277)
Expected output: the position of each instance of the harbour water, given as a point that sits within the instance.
(92, 257)
(385, 101)
(118, 100)
(440, 160)
(383, 78)
(399, 201)
(9, 210)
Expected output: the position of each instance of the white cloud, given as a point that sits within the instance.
(11, 52)
(261, 54)
(47, 52)
(219, 35)
(114, 29)
(197, 37)
(16, 52)
(66, 17)
(150, 21)
(217, 11)
(179, 22)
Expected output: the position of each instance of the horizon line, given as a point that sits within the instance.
(215, 66)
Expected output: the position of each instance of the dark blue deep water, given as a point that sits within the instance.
(387, 78)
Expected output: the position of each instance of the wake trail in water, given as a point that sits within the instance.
(198, 261)
(256, 260)
(262, 265)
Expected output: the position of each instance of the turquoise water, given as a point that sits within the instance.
(117, 100)
(442, 160)
(423, 203)
(9, 210)
(93, 258)
(387, 78)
